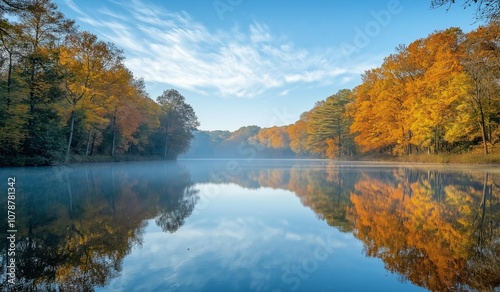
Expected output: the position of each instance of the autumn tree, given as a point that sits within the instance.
(435, 93)
(149, 117)
(380, 109)
(124, 111)
(298, 135)
(90, 70)
(425, 96)
(274, 137)
(135, 119)
(482, 65)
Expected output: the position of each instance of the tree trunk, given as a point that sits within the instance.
(92, 146)
(114, 135)
(70, 138)
(482, 123)
(165, 151)
(87, 150)
(166, 145)
(339, 144)
(483, 136)
(9, 71)
(9, 80)
(32, 87)
(410, 148)
(436, 143)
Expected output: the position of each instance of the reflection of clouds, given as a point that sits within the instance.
(249, 247)
(231, 251)
(293, 236)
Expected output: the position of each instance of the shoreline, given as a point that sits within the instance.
(477, 159)
(444, 158)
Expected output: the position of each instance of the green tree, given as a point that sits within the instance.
(177, 122)
(328, 127)
(32, 81)
(13, 112)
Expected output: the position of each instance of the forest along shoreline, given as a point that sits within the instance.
(67, 97)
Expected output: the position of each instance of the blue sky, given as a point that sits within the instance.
(242, 62)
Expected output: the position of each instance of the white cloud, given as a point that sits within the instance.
(172, 48)
(284, 92)
(73, 6)
(105, 11)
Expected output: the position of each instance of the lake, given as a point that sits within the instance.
(251, 225)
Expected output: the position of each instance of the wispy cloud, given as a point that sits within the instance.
(172, 48)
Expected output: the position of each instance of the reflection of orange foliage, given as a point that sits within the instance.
(426, 240)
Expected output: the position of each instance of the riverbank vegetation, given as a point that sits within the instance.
(65, 94)
(67, 97)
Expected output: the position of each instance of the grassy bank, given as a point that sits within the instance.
(475, 156)
(470, 158)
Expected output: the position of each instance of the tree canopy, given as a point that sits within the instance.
(65, 93)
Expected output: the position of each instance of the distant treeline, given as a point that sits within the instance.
(65, 92)
(437, 94)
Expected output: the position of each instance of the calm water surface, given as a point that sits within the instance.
(259, 225)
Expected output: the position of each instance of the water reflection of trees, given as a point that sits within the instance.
(440, 230)
(76, 225)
